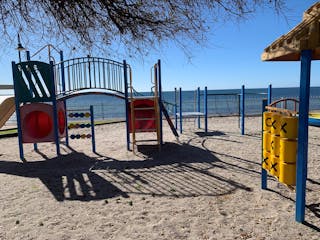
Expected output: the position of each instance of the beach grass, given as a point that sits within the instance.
(10, 131)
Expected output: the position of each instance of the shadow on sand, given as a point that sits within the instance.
(177, 170)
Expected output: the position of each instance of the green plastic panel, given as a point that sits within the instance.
(34, 82)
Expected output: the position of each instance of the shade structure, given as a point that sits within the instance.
(306, 35)
(302, 44)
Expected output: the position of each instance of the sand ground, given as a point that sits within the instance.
(206, 186)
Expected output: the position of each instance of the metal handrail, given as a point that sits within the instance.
(89, 73)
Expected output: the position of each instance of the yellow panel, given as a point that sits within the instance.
(288, 150)
(287, 173)
(289, 127)
(266, 162)
(276, 123)
(266, 141)
(267, 122)
(274, 169)
(275, 145)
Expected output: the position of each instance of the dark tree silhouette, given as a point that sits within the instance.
(138, 25)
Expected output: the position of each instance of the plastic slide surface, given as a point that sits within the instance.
(7, 108)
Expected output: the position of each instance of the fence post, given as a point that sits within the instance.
(205, 109)
(175, 108)
(198, 105)
(180, 108)
(242, 112)
(269, 94)
(239, 110)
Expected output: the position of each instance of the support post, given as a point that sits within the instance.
(55, 115)
(302, 161)
(175, 109)
(93, 136)
(180, 108)
(198, 105)
(264, 173)
(35, 145)
(125, 76)
(269, 94)
(63, 81)
(160, 100)
(242, 112)
(239, 111)
(28, 55)
(17, 103)
(205, 100)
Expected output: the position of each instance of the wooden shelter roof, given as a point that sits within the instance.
(304, 36)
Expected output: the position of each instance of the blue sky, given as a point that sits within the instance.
(230, 59)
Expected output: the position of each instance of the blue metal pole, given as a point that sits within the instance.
(55, 115)
(35, 145)
(125, 76)
(17, 103)
(160, 100)
(175, 108)
(242, 109)
(180, 109)
(269, 94)
(198, 105)
(205, 109)
(28, 55)
(93, 136)
(63, 81)
(264, 173)
(302, 161)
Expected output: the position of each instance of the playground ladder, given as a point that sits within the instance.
(144, 113)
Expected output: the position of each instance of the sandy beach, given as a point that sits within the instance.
(206, 186)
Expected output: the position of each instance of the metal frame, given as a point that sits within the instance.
(302, 161)
(242, 109)
(192, 114)
(302, 156)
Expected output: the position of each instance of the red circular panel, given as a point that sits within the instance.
(37, 124)
(61, 121)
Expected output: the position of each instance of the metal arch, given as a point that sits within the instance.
(93, 92)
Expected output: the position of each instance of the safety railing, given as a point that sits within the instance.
(89, 73)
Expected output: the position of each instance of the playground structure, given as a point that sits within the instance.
(299, 44)
(237, 103)
(42, 88)
(197, 114)
(144, 111)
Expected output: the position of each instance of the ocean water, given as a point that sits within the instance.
(220, 102)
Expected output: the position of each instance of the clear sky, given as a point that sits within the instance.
(230, 58)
